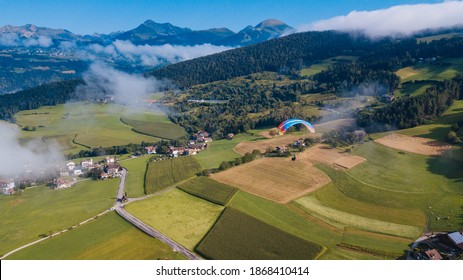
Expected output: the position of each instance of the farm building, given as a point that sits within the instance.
(86, 164)
(110, 160)
(456, 238)
(433, 254)
(62, 183)
(230, 136)
(151, 149)
(7, 186)
(202, 136)
(71, 165)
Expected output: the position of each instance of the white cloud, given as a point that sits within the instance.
(9, 39)
(13, 40)
(145, 55)
(17, 158)
(394, 21)
(101, 80)
(153, 55)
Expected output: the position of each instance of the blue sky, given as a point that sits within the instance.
(87, 17)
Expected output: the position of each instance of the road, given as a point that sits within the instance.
(119, 207)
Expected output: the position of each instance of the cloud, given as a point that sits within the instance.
(9, 39)
(17, 158)
(13, 40)
(399, 20)
(144, 55)
(101, 80)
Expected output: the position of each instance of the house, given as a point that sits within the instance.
(189, 152)
(175, 152)
(86, 164)
(78, 172)
(7, 186)
(387, 98)
(433, 254)
(299, 143)
(199, 146)
(71, 165)
(104, 175)
(63, 173)
(151, 149)
(230, 136)
(62, 183)
(456, 238)
(113, 170)
(202, 136)
(110, 160)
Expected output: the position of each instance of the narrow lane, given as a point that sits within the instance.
(119, 207)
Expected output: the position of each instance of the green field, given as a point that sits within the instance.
(135, 180)
(163, 129)
(182, 217)
(342, 219)
(109, 237)
(76, 126)
(439, 70)
(299, 223)
(238, 236)
(40, 211)
(167, 172)
(412, 89)
(324, 65)
(209, 190)
(222, 150)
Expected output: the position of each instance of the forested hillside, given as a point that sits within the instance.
(293, 52)
(44, 95)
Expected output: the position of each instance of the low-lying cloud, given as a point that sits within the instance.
(102, 80)
(13, 40)
(34, 156)
(395, 21)
(144, 55)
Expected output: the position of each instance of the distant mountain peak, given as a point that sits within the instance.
(270, 22)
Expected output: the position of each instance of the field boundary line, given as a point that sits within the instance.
(56, 233)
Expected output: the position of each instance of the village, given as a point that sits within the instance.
(68, 174)
(438, 246)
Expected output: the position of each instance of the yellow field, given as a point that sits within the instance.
(417, 145)
(277, 179)
(330, 156)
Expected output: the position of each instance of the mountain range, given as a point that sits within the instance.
(154, 33)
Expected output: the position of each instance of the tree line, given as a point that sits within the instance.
(411, 111)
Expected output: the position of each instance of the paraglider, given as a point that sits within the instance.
(290, 122)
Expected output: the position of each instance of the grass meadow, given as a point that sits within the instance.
(222, 150)
(439, 70)
(77, 126)
(109, 237)
(135, 180)
(182, 217)
(209, 190)
(39, 211)
(166, 173)
(159, 129)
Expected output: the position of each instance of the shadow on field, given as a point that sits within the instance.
(448, 167)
